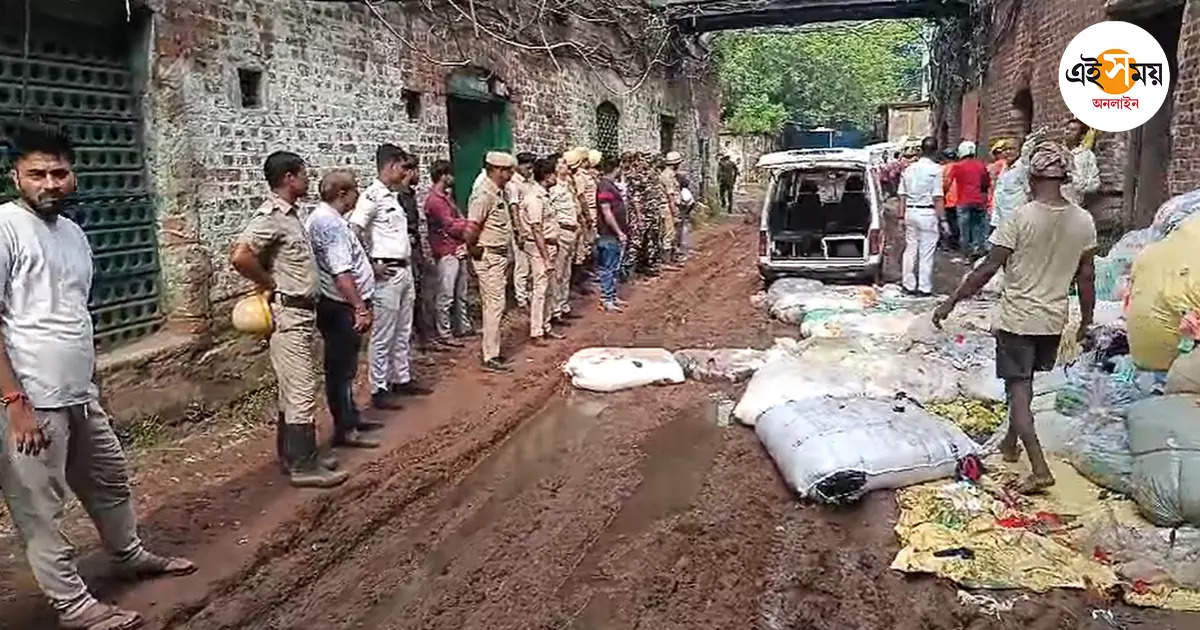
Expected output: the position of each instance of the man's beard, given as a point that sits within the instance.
(49, 207)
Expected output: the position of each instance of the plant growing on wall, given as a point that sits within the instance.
(822, 75)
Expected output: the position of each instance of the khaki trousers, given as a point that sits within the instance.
(293, 357)
(561, 287)
(520, 275)
(491, 269)
(668, 232)
(541, 304)
(84, 457)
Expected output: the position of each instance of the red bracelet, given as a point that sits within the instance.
(9, 399)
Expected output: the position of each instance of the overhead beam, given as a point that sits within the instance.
(716, 15)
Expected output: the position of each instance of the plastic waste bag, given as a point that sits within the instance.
(1164, 435)
(830, 323)
(836, 450)
(845, 368)
(1184, 375)
(1166, 286)
(1142, 552)
(614, 369)
(1176, 211)
(726, 364)
(1099, 450)
(981, 384)
(1091, 392)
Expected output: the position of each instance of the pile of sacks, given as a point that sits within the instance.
(825, 311)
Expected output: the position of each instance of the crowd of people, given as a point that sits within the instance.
(360, 266)
(356, 270)
(952, 199)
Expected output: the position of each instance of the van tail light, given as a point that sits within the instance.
(762, 243)
(875, 241)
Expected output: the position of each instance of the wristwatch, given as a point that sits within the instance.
(13, 397)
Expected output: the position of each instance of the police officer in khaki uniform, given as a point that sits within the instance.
(489, 232)
(539, 230)
(670, 184)
(274, 253)
(585, 190)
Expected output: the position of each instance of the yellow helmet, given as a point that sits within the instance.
(252, 314)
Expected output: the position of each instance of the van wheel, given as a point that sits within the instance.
(767, 280)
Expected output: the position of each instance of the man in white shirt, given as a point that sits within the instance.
(54, 435)
(344, 307)
(384, 229)
(1085, 173)
(922, 208)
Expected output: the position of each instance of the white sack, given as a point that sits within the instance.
(836, 450)
(845, 368)
(723, 364)
(613, 369)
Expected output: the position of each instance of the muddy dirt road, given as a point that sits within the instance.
(511, 502)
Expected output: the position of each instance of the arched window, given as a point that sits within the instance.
(607, 138)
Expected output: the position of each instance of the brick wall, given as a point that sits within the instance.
(1184, 174)
(1026, 57)
(333, 80)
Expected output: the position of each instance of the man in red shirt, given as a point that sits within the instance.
(447, 240)
(969, 177)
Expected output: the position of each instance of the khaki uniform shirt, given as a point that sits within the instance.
(537, 209)
(1047, 243)
(276, 234)
(585, 187)
(566, 206)
(489, 209)
(670, 184)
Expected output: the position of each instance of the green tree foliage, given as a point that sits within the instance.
(837, 73)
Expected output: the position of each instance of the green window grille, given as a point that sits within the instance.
(87, 87)
(607, 125)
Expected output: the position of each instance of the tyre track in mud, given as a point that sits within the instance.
(341, 552)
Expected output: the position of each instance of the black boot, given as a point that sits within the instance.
(305, 471)
(281, 444)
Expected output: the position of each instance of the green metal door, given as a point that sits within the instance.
(477, 125)
(79, 78)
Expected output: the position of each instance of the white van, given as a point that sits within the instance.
(822, 216)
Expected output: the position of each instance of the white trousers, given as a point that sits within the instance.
(391, 334)
(920, 245)
(452, 316)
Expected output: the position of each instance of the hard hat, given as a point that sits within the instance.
(673, 158)
(252, 314)
(594, 157)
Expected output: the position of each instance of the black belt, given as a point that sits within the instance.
(569, 228)
(393, 262)
(295, 301)
(501, 249)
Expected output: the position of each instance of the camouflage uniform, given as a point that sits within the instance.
(653, 200)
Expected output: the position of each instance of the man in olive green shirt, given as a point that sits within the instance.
(1044, 247)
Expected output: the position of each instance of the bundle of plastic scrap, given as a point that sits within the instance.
(1174, 213)
(977, 418)
(984, 536)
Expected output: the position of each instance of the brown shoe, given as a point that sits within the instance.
(101, 616)
(146, 564)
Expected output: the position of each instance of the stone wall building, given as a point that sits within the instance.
(176, 103)
(1019, 91)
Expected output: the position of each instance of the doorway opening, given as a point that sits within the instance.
(1023, 109)
(1145, 185)
(666, 134)
(477, 115)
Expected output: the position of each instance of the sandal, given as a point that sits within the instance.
(101, 616)
(1034, 484)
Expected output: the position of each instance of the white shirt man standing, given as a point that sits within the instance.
(384, 229)
(344, 312)
(53, 433)
(922, 208)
